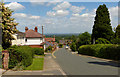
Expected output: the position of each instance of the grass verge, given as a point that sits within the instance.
(36, 65)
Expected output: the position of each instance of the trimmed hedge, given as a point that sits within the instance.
(22, 55)
(107, 51)
(38, 51)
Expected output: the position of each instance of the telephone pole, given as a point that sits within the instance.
(42, 33)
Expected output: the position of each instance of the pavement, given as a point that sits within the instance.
(73, 64)
(50, 68)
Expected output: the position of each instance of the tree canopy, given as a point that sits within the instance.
(117, 31)
(8, 26)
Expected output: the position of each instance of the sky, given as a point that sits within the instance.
(59, 17)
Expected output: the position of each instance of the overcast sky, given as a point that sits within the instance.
(59, 17)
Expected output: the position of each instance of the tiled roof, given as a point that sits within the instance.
(49, 39)
(31, 33)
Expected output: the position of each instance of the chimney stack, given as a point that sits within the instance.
(36, 29)
(26, 29)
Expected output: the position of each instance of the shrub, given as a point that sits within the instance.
(102, 41)
(20, 55)
(60, 45)
(38, 51)
(116, 41)
(49, 48)
(108, 51)
(73, 47)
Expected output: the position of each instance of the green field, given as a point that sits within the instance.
(37, 64)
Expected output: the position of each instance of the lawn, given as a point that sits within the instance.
(36, 65)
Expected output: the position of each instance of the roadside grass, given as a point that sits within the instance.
(36, 65)
(40, 55)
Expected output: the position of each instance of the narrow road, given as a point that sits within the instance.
(73, 64)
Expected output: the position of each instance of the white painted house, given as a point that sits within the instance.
(19, 38)
(32, 38)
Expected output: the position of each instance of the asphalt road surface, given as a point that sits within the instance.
(73, 64)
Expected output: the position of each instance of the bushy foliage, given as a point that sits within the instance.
(49, 48)
(117, 32)
(83, 39)
(60, 45)
(102, 41)
(22, 55)
(116, 40)
(73, 47)
(38, 51)
(8, 25)
(108, 51)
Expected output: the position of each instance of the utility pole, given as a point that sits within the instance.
(42, 33)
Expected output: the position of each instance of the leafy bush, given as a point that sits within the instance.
(20, 55)
(108, 51)
(102, 41)
(116, 41)
(38, 51)
(49, 48)
(60, 45)
(73, 47)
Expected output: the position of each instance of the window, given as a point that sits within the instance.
(26, 40)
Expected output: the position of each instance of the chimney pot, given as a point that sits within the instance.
(26, 29)
(36, 29)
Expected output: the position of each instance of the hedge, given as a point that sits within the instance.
(60, 45)
(22, 55)
(107, 51)
(38, 51)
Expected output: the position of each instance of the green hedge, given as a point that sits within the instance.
(108, 51)
(38, 51)
(60, 45)
(22, 55)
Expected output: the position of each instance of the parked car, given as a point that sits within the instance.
(66, 47)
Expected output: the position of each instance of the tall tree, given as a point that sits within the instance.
(117, 31)
(8, 26)
(83, 39)
(102, 26)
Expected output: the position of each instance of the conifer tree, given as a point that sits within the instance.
(102, 26)
(117, 32)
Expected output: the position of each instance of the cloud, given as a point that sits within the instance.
(113, 11)
(34, 17)
(58, 13)
(76, 9)
(44, 2)
(62, 6)
(114, 15)
(25, 16)
(15, 6)
(51, 13)
(19, 15)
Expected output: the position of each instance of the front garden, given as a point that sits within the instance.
(22, 57)
(36, 65)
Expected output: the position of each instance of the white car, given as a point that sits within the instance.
(66, 47)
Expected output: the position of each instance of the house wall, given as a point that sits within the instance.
(20, 41)
(33, 41)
